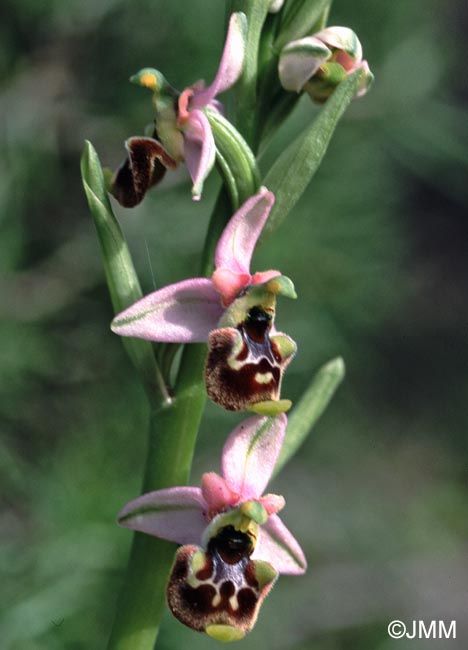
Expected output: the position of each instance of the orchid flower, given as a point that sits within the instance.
(234, 543)
(318, 63)
(233, 310)
(181, 128)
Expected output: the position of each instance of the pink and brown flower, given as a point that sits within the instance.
(181, 129)
(233, 311)
(234, 543)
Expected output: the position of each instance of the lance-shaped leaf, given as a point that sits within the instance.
(310, 407)
(301, 18)
(296, 166)
(122, 280)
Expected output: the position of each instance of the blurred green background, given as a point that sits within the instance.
(378, 251)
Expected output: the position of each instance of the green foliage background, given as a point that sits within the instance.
(377, 249)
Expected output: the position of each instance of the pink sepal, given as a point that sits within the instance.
(250, 454)
(231, 64)
(199, 150)
(175, 514)
(346, 42)
(277, 546)
(184, 312)
(300, 60)
(236, 244)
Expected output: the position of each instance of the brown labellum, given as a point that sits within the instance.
(144, 167)
(245, 364)
(219, 587)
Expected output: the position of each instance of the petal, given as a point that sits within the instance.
(272, 503)
(217, 493)
(231, 64)
(250, 454)
(183, 112)
(175, 514)
(184, 312)
(277, 546)
(199, 150)
(229, 283)
(343, 38)
(264, 276)
(236, 245)
(300, 60)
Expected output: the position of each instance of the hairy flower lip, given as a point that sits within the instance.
(192, 515)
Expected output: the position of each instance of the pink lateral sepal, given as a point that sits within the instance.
(199, 150)
(176, 514)
(184, 312)
(277, 546)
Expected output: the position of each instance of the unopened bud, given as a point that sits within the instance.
(318, 63)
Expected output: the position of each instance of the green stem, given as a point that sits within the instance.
(246, 88)
(172, 437)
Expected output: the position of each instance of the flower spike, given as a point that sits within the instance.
(234, 543)
(234, 312)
